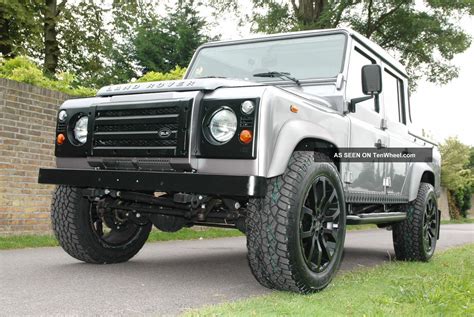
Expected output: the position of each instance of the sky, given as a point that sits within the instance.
(449, 110)
(444, 111)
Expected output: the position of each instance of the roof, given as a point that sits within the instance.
(357, 36)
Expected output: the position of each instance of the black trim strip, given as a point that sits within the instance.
(369, 197)
(156, 181)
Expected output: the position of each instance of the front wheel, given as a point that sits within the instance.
(295, 235)
(92, 237)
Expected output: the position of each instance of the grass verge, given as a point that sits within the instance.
(35, 241)
(442, 287)
(38, 240)
(457, 221)
(45, 240)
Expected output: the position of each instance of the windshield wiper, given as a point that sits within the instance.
(279, 75)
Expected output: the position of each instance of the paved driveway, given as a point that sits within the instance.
(164, 278)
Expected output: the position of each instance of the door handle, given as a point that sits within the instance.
(379, 145)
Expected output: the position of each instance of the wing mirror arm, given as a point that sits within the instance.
(354, 101)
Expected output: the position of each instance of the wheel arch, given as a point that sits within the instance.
(299, 135)
(428, 177)
(422, 173)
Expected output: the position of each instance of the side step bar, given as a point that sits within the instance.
(375, 218)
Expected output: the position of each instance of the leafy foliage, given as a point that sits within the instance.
(164, 42)
(20, 27)
(457, 173)
(101, 43)
(24, 70)
(425, 39)
(176, 73)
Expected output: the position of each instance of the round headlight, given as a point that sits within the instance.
(223, 125)
(62, 115)
(80, 129)
(247, 107)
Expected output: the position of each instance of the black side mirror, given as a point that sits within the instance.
(371, 79)
(371, 86)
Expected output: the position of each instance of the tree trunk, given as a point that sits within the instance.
(308, 12)
(51, 45)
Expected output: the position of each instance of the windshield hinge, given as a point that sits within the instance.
(339, 81)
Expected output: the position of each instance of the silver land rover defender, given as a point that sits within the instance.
(285, 137)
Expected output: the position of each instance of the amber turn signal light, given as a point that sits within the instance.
(245, 136)
(60, 139)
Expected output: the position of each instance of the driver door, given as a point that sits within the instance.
(366, 131)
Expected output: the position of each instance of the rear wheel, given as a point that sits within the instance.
(414, 239)
(93, 236)
(295, 235)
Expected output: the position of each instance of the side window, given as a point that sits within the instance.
(354, 82)
(393, 97)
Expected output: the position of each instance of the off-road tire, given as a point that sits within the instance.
(408, 234)
(274, 253)
(71, 224)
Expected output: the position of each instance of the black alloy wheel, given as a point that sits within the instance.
(430, 225)
(295, 234)
(319, 224)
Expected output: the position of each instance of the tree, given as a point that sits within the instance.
(426, 40)
(20, 28)
(100, 42)
(162, 44)
(83, 42)
(456, 173)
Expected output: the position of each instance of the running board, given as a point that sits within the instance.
(375, 218)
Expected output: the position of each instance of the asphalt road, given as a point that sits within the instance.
(164, 278)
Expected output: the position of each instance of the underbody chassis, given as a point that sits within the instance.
(139, 196)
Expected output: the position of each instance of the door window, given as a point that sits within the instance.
(354, 82)
(392, 96)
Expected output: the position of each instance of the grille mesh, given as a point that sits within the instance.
(142, 130)
(137, 112)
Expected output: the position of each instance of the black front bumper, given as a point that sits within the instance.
(156, 181)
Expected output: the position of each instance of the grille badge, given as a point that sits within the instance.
(164, 133)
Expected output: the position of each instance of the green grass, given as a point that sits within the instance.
(192, 234)
(361, 227)
(35, 241)
(458, 221)
(27, 241)
(442, 287)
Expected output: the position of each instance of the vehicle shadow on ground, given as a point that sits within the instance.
(354, 258)
(208, 270)
(222, 265)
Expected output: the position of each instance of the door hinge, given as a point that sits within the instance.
(348, 177)
(387, 182)
(339, 81)
(383, 124)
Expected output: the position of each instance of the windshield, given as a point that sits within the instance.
(304, 58)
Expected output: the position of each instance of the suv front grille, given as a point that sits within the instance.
(157, 129)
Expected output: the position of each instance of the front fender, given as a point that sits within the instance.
(333, 129)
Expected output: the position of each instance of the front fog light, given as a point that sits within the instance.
(223, 125)
(80, 129)
(247, 107)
